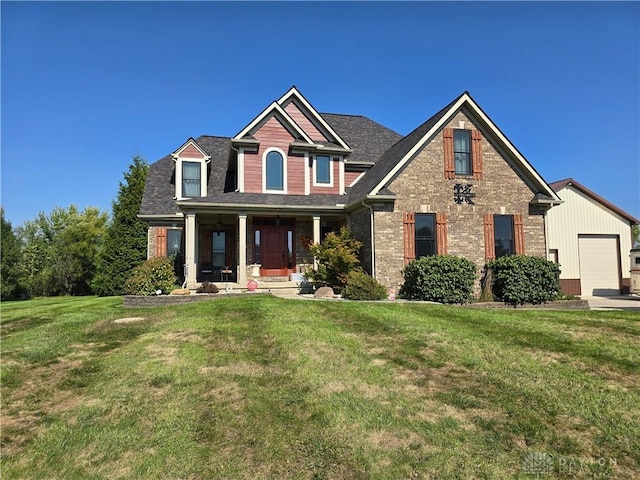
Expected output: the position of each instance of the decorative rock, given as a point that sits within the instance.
(129, 320)
(180, 291)
(324, 292)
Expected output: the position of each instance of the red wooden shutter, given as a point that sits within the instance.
(441, 233)
(449, 165)
(409, 237)
(476, 154)
(161, 242)
(489, 238)
(518, 234)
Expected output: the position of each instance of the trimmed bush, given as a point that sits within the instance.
(439, 278)
(207, 287)
(361, 286)
(150, 276)
(520, 279)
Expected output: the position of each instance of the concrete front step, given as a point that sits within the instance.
(262, 286)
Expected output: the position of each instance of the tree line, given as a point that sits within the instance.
(76, 252)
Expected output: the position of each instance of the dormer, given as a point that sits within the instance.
(191, 170)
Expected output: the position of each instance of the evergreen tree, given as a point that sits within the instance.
(10, 255)
(125, 242)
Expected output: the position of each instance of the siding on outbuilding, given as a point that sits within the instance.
(583, 215)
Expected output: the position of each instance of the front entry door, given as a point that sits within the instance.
(275, 243)
(274, 251)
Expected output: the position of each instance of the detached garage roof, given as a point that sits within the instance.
(578, 186)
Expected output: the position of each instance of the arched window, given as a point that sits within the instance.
(274, 171)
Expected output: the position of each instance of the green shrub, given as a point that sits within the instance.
(150, 276)
(337, 257)
(520, 279)
(361, 286)
(439, 278)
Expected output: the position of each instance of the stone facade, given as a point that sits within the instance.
(422, 187)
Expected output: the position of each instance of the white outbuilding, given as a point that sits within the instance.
(591, 239)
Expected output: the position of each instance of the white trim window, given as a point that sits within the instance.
(322, 171)
(191, 178)
(274, 168)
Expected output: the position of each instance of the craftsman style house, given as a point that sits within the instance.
(230, 208)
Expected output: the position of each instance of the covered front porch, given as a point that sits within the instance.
(228, 248)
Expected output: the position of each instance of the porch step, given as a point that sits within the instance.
(273, 279)
(263, 287)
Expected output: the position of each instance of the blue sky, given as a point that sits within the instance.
(86, 85)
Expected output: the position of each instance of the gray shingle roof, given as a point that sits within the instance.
(159, 191)
(368, 139)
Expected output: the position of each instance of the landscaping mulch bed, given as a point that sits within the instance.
(557, 305)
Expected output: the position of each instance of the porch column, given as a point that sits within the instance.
(242, 252)
(316, 237)
(190, 249)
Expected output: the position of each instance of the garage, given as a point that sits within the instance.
(599, 257)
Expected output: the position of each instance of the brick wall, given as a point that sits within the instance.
(422, 187)
(152, 239)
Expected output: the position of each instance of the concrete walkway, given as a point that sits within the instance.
(620, 302)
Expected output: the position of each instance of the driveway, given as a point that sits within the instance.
(621, 302)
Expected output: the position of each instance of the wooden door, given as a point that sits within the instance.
(273, 251)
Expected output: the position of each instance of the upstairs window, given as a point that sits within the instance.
(274, 171)
(462, 151)
(322, 173)
(191, 179)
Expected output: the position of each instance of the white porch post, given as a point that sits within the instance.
(316, 237)
(242, 253)
(190, 249)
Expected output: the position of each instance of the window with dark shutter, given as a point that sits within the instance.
(503, 235)
(462, 152)
(425, 234)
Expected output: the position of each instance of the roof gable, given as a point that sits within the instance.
(312, 115)
(571, 183)
(400, 154)
(191, 149)
(285, 119)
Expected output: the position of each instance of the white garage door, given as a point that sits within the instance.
(599, 263)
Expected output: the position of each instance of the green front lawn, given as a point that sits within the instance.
(260, 387)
